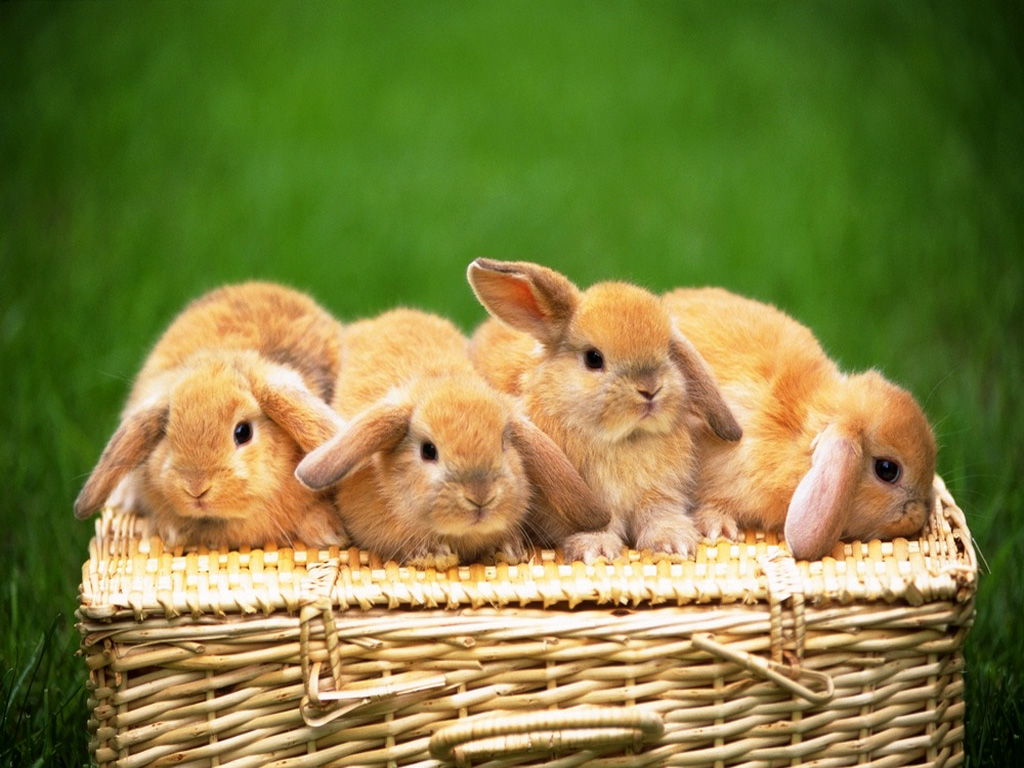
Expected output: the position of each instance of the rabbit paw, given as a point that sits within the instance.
(589, 546)
(127, 495)
(439, 557)
(675, 536)
(716, 524)
(513, 552)
(322, 529)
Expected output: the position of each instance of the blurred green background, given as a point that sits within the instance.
(858, 164)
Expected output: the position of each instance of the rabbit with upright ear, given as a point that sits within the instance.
(824, 456)
(434, 467)
(607, 376)
(231, 397)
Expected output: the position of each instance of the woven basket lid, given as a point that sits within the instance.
(131, 574)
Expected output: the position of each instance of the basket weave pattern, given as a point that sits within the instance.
(740, 656)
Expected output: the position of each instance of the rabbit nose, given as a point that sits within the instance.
(197, 492)
(648, 393)
(478, 493)
(647, 381)
(196, 487)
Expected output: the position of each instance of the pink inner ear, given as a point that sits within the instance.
(512, 299)
(821, 503)
(521, 293)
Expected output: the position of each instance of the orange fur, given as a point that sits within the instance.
(786, 392)
(625, 427)
(256, 353)
(406, 380)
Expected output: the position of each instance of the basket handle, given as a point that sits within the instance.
(360, 694)
(499, 735)
(779, 674)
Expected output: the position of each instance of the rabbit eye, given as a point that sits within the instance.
(428, 451)
(243, 432)
(593, 359)
(887, 471)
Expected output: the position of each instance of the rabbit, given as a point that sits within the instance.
(825, 456)
(605, 374)
(230, 398)
(434, 467)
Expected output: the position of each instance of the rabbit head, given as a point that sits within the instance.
(613, 364)
(872, 470)
(213, 452)
(449, 460)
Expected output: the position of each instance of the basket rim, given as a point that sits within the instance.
(130, 575)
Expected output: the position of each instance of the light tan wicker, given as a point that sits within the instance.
(739, 657)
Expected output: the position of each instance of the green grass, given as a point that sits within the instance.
(857, 164)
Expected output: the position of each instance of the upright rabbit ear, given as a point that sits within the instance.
(528, 297)
(703, 389)
(378, 428)
(555, 477)
(288, 402)
(821, 504)
(131, 443)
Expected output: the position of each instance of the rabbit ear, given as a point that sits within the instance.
(378, 428)
(285, 399)
(528, 297)
(703, 389)
(555, 477)
(821, 503)
(131, 443)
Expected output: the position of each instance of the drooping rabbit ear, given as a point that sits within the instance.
(528, 297)
(129, 446)
(379, 428)
(288, 402)
(703, 389)
(820, 506)
(553, 474)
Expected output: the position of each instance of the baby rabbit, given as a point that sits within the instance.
(606, 375)
(231, 397)
(824, 455)
(435, 466)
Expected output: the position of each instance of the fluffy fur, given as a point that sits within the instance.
(257, 354)
(812, 435)
(434, 466)
(605, 374)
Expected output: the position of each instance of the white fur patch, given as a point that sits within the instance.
(285, 378)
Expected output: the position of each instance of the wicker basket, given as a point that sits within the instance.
(741, 656)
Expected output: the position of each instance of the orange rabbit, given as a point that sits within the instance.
(615, 385)
(434, 467)
(230, 398)
(824, 456)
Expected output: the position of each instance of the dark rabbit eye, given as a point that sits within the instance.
(593, 359)
(243, 432)
(887, 471)
(428, 451)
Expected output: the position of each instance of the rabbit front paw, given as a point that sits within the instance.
(513, 552)
(589, 546)
(676, 536)
(716, 524)
(439, 557)
(322, 529)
